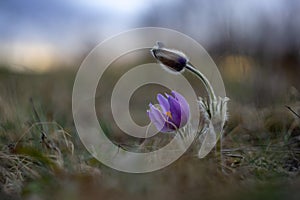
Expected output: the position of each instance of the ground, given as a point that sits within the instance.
(42, 157)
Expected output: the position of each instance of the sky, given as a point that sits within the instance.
(38, 35)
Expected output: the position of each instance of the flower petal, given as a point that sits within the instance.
(156, 117)
(185, 108)
(163, 102)
(169, 127)
(175, 111)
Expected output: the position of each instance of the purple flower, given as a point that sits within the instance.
(172, 113)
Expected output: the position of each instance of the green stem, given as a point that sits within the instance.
(208, 87)
(212, 99)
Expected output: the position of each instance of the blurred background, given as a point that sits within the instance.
(255, 44)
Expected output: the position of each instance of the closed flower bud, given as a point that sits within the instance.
(169, 58)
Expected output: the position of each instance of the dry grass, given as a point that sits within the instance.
(41, 156)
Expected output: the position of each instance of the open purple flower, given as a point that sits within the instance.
(172, 113)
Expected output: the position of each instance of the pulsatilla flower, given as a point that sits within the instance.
(171, 59)
(171, 113)
(213, 110)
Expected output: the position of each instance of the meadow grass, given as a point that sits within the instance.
(42, 157)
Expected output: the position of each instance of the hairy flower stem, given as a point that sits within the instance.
(208, 87)
(212, 99)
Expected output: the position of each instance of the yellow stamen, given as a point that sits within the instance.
(169, 114)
